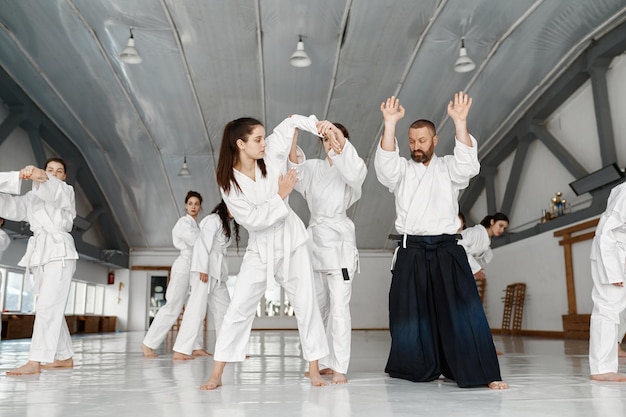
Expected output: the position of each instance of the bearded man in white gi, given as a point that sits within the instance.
(436, 319)
(608, 271)
(50, 256)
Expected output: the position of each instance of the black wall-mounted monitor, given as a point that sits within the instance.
(604, 176)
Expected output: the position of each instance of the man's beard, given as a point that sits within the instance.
(421, 156)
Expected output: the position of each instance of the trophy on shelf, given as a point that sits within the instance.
(558, 207)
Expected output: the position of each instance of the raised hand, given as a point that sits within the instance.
(323, 126)
(33, 173)
(336, 138)
(287, 182)
(459, 107)
(392, 110)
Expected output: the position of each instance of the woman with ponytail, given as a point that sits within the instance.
(209, 273)
(184, 235)
(255, 183)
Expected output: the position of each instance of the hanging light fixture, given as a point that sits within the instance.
(300, 58)
(464, 63)
(184, 171)
(130, 55)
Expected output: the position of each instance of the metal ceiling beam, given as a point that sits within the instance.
(602, 107)
(11, 122)
(558, 150)
(521, 151)
(471, 194)
(489, 174)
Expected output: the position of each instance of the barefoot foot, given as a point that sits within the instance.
(213, 383)
(65, 363)
(30, 368)
(609, 376)
(182, 357)
(318, 381)
(148, 352)
(339, 378)
(498, 385)
(325, 371)
(200, 352)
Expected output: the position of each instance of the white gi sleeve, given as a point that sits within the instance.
(279, 142)
(10, 182)
(252, 216)
(351, 168)
(389, 167)
(204, 244)
(464, 165)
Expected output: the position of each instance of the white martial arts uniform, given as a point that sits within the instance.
(329, 191)
(426, 196)
(477, 244)
(50, 257)
(184, 235)
(608, 266)
(276, 248)
(209, 257)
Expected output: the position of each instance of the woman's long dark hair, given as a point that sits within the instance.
(486, 221)
(229, 152)
(222, 211)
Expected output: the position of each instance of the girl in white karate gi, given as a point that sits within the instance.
(50, 256)
(254, 181)
(209, 273)
(477, 242)
(608, 272)
(184, 235)
(330, 186)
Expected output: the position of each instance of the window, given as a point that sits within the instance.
(17, 294)
(80, 298)
(274, 303)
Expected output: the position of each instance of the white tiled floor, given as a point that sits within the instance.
(111, 378)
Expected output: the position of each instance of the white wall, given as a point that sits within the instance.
(117, 299)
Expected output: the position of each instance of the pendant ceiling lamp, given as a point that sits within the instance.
(464, 63)
(130, 55)
(300, 58)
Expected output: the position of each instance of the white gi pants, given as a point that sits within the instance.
(175, 297)
(250, 287)
(192, 327)
(621, 330)
(333, 297)
(51, 338)
(608, 302)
